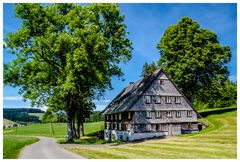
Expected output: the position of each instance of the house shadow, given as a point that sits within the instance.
(217, 111)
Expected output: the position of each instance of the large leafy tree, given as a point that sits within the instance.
(66, 54)
(194, 59)
(148, 69)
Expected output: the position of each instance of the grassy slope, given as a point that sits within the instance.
(219, 140)
(60, 129)
(13, 144)
(7, 122)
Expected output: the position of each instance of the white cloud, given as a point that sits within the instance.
(100, 107)
(13, 98)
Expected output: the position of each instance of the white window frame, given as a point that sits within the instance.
(178, 114)
(149, 127)
(158, 114)
(129, 127)
(161, 81)
(158, 99)
(177, 99)
(148, 114)
(129, 115)
(107, 117)
(108, 125)
(116, 116)
(169, 114)
(147, 99)
(120, 126)
(120, 116)
(168, 100)
(189, 113)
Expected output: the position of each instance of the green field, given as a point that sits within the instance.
(59, 129)
(218, 141)
(12, 145)
(40, 115)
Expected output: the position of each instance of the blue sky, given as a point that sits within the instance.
(146, 24)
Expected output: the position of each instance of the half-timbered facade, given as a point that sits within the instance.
(150, 107)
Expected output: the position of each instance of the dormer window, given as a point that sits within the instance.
(147, 99)
(178, 100)
(168, 100)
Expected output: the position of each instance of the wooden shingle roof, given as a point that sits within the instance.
(130, 94)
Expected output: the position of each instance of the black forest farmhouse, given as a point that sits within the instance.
(150, 107)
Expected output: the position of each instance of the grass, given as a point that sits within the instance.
(13, 144)
(7, 122)
(59, 129)
(218, 141)
(39, 115)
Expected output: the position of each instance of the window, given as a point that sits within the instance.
(189, 113)
(129, 115)
(120, 116)
(158, 114)
(157, 99)
(177, 100)
(107, 117)
(147, 99)
(108, 125)
(169, 114)
(158, 127)
(115, 116)
(178, 114)
(161, 82)
(120, 126)
(129, 127)
(148, 114)
(149, 127)
(111, 117)
(168, 100)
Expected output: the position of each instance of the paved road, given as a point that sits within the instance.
(46, 148)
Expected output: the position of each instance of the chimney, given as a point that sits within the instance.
(131, 83)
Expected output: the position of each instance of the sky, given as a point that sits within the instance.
(146, 24)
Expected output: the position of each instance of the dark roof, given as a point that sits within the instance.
(130, 94)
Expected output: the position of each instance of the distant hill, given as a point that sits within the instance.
(22, 114)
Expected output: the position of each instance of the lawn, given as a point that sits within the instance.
(13, 144)
(59, 129)
(218, 141)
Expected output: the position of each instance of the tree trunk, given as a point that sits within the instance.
(70, 129)
(70, 121)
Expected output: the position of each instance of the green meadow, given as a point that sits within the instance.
(218, 141)
(12, 145)
(56, 130)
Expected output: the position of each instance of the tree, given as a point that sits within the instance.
(148, 69)
(66, 54)
(194, 58)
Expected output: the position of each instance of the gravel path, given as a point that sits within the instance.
(46, 148)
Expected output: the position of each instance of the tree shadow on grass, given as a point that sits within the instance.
(217, 111)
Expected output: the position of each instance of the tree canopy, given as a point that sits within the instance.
(194, 59)
(66, 54)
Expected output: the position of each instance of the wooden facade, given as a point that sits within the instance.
(153, 104)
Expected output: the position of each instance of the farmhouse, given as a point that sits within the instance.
(150, 107)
